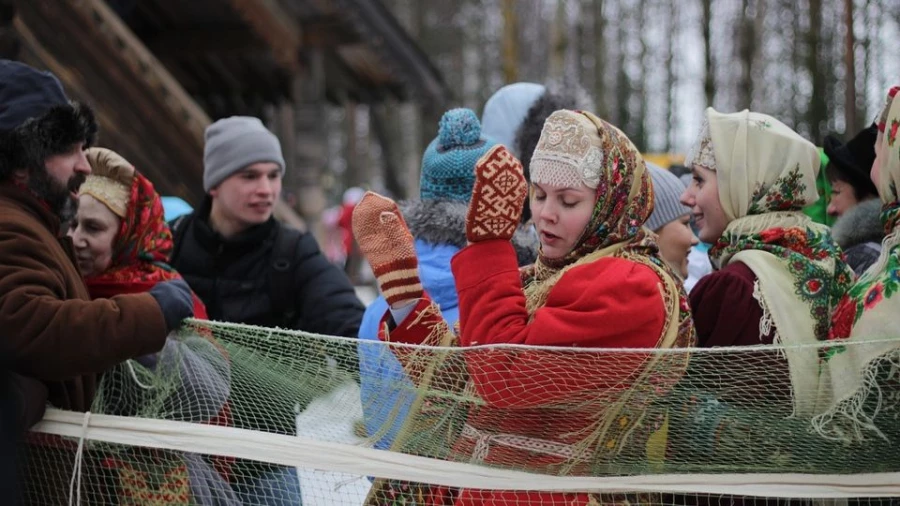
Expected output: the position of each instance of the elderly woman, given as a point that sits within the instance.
(122, 245)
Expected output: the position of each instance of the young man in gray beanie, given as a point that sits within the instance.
(248, 268)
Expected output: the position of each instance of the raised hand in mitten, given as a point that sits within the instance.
(497, 197)
(389, 248)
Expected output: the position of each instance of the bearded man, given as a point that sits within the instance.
(52, 332)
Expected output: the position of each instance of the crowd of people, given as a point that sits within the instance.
(537, 224)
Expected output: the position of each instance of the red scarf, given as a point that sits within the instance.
(141, 248)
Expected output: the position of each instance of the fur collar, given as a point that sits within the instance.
(859, 225)
(444, 222)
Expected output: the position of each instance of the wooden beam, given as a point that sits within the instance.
(326, 32)
(132, 120)
(274, 26)
(144, 112)
(191, 43)
(97, 16)
(397, 52)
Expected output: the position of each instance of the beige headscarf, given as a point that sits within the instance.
(766, 174)
(867, 317)
(888, 132)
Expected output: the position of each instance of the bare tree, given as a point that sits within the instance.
(745, 54)
(560, 41)
(638, 130)
(850, 69)
(622, 113)
(817, 113)
(669, 84)
(510, 42)
(600, 51)
(865, 46)
(783, 57)
(709, 79)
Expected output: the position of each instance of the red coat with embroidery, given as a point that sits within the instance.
(608, 303)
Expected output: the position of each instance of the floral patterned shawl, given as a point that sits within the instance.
(601, 154)
(766, 173)
(141, 248)
(624, 201)
(868, 313)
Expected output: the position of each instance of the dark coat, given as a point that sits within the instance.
(52, 330)
(232, 278)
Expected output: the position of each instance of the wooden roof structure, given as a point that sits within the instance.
(232, 54)
(158, 71)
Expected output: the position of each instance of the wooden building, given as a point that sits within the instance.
(158, 71)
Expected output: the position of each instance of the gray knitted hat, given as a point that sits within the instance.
(234, 143)
(667, 190)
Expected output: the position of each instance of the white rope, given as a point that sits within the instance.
(76, 471)
(347, 458)
(130, 364)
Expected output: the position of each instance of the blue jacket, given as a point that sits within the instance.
(384, 386)
(439, 229)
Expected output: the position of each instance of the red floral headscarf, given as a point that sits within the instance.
(141, 248)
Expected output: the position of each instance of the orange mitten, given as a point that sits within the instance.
(388, 246)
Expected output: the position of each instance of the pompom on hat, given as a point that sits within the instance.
(448, 166)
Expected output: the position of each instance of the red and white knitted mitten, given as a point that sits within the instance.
(497, 197)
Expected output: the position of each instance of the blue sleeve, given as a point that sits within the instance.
(385, 392)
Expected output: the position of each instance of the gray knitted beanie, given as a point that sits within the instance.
(234, 143)
(667, 190)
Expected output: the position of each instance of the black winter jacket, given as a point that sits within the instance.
(232, 276)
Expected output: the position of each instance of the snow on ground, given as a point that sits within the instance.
(331, 418)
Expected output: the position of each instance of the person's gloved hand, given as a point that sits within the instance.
(389, 248)
(175, 301)
(497, 197)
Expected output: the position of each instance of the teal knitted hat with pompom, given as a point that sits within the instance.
(448, 166)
